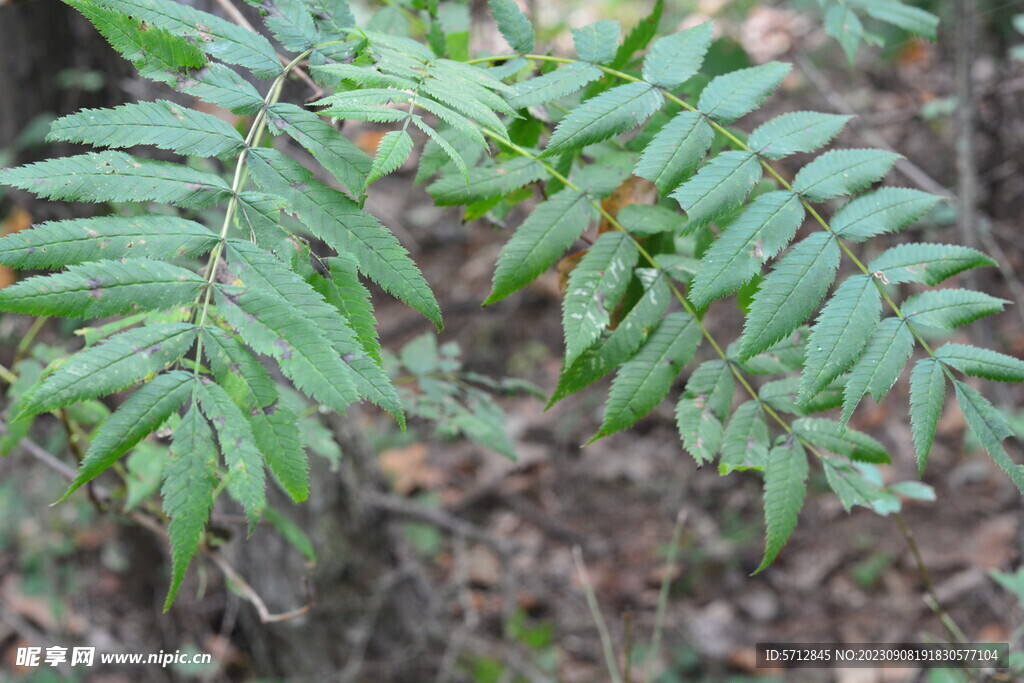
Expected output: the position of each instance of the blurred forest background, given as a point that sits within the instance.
(437, 559)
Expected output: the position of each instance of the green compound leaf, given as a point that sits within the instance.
(699, 428)
(906, 17)
(161, 123)
(612, 112)
(259, 215)
(842, 171)
(292, 24)
(644, 381)
(785, 478)
(486, 182)
(456, 157)
(603, 357)
(835, 438)
(62, 243)
(675, 151)
(337, 220)
(304, 355)
(765, 227)
(221, 85)
(312, 317)
(720, 186)
(713, 380)
(851, 487)
(639, 36)
(513, 24)
(245, 478)
(946, 309)
(189, 482)
(790, 293)
(540, 241)
(103, 288)
(156, 53)
(595, 287)
(843, 328)
(784, 356)
(674, 59)
(345, 292)
(888, 209)
(597, 42)
(118, 177)
(553, 85)
(798, 131)
(343, 159)
(876, 370)
(115, 364)
(732, 95)
(703, 407)
(990, 428)
(274, 426)
(141, 415)
(745, 443)
(971, 360)
(845, 26)
(238, 371)
(645, 220)
(221, 38)
(928, 263)
(392, 151)
(927, 393)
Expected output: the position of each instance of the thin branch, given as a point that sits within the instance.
(394, 505)
(266, 616)
(235, 15)
(666, 581)
(595, 613)
(932, 598)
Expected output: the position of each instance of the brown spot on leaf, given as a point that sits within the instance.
(286, 348)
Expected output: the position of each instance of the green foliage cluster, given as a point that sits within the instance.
(283, 273)
(845, 21)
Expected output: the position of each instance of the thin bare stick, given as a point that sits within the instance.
(440, 518)
(236, 16)
(666, 581)
(266, 617)
(931, 597)
(595, 613)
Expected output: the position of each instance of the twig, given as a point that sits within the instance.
(439, 518)
(666, 581)
(266, 617)
(363, 632)
(931, 597)
(236, 16)
(470, 616)
(967, 180)
(595, 613)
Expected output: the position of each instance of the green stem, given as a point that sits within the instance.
(7, 376)
(238, 182)
(26, 341)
